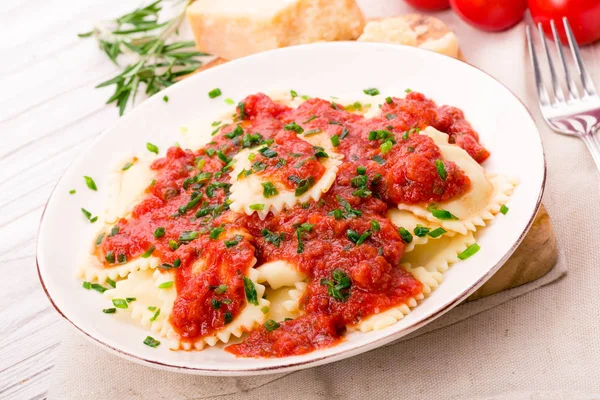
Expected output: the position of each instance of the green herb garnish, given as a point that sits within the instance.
(251, 295)
(152, 148)
(441, 169)
(472, 249)
(271, 325)
(214, 93)
(151, 342)
(371, 91)
(90, 183)
(405, 235)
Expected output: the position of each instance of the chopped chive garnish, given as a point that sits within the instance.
(372, 135)
(127, 166)
(313, 132)
(238, 131)
(472, 249)
(173, 245)
(110, 257)
(166, 285)
(375, 225)
(441, 214)
(357, 238)
(267, 152)
(335, 140)
(339, 286)
(90, 183)
(265, 310)
(389, 100)
(272, 237)
(371, 91)
(386, 147)
(269, 189)
(222, 157)
(408, 90)
(111, 282)
(109, 310)
(94, 219)
(234, 241)
(405, 235)
(250, 291)
(152, 148)
(159, 232)
(114, 231)
(87, 285)
(100, 238)
(437, 232)
(229, 101)
(121, 258)
(130, 299)
(345, 133)
(361, 170)
(294, 94)
(151, 342)
(214, 93)
(228, 317)
(390, 116)
(257, 207)
(310, 119)
(421, 230)
(156, 314)
(148, 252)
(221, 289)
(299, 230)
(151, 308)
(98, 287)
(166, 98)
(120, 303)
(293, 126)
(503, 209)
(242, 110)
(410, 149)
(303, 185)
(216, 232)
(216, 304)
(271, 325)
(72, 191)
(441, 169)
(378, 159)
(187, 236)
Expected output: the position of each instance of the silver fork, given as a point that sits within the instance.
(576, 114)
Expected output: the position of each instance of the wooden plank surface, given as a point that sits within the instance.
(49, 113)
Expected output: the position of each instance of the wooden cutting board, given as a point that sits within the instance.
(538, 253)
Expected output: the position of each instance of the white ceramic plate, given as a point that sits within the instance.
(340, 69)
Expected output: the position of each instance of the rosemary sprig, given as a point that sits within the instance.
(152, 62)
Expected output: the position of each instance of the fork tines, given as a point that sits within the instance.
(559, 97)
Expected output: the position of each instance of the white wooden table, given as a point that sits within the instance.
(49, 112)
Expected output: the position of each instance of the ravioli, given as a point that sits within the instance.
(481, 203)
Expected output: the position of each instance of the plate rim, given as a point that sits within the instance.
(358, 348)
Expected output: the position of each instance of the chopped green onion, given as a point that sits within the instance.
(371, 91)
(173, 245)
(293, 126)
(114, 231)
(148, 252)
(437, 232)
(229, 101)
(166, 98)
(313, 132)
(87, 285)
(234, 241)
(421, 230)
(408, 90)
(221, 289)
(100, 238)
(90, 183)
(378, 159)
(257, 207)
(228, 317)
(127, 166)
(265, 310)
(111, 282)
(390, 116)
(441, 169)
(152, 148)
(151, 342)
(110, 257)
(214, 93)
(216, 304)
(98, 288)
(375, 225)
(251, 295)
(472, 249)
(159, 232)
(121, 258)
(310, 119)
(267, 152)
(166, 285)
(109, 310)
(335, 140)
(269, 189)
(130, 299)
(441, 214)
(272, 237)
(345, 133)
(386, 147)
(120, 303)
(503, 209)
(187, 236)
(271, 325)
(156, 314)
(72, 191)
(216, 232)
(389, 100)
(405, 235)
(294, 94)
(339, 286)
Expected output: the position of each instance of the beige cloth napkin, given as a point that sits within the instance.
(542, 345)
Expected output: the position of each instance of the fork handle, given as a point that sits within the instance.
(593, 144)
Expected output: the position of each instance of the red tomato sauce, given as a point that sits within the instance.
(348, 250)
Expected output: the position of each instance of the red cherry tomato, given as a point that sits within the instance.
(490, 15)
(429, 5)
(583, 15)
